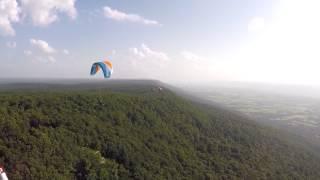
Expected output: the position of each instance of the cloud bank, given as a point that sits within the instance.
(43, 52)
(42, 46)
(45, 12)
(191, 56)
(9, 13)
(145, 52)
(41, 12)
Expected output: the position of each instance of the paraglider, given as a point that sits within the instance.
(105, 66)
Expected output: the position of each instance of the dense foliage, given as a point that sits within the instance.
(97, 134)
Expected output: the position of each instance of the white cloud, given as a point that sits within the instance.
(42, 59)
(45, 12)
(42, 46)
(114, 52)
(192, 61)
(191, 56)
(9, 13)
(147, 53)
(147, 63)
(11, 44)
(27, 52)
(41, 12)
(256, 24)
(122, 16)
(51, 59)
(43, 52)
(137, 52)
(142, 62)
(66, 52)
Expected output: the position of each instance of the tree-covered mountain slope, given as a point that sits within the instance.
(146, 134)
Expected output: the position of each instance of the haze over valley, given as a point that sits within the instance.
(290, 108)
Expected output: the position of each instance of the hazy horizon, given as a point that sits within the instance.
(305, 91)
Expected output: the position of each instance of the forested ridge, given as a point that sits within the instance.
(148, 134)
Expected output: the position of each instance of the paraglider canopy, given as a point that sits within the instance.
(105, 66)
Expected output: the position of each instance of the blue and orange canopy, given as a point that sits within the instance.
(105, 66)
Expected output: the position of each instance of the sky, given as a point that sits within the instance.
(273, 41)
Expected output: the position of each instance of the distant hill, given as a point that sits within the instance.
(136, 130)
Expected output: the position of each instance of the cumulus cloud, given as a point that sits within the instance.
(42, 53)
(27, 52)
(145, 62)
(191, 56)
(195, 62)
(147, 53)
(36, 59)
(41, 12)
(9, 13)
(142, 62)
(11, 44)
(137, 52)
(66, 52)
(51, 59)
(42, 46)
(256, 24)
(45, 12)
(122, 16)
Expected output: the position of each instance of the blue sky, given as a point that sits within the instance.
(182, 40)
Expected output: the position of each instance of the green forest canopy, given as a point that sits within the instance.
(150, 134)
